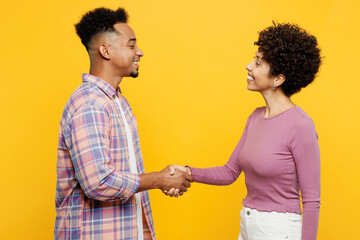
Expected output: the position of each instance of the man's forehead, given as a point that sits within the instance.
(125, 31)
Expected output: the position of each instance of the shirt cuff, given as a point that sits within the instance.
(131, 183)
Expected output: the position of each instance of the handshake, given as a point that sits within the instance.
(176, 180)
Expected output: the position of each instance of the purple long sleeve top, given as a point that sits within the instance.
(280, 157)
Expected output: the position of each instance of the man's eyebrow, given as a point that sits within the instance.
(131, 40)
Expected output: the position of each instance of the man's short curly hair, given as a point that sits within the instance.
(290, 51)
(97, 21)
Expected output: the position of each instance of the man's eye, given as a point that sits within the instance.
(131, 46)
(257, 64)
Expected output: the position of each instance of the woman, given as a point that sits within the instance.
(278, 151)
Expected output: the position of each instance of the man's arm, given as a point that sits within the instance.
(88, 142)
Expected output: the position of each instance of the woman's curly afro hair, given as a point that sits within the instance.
(290, 51)
(99, 20)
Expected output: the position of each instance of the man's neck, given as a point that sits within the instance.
(106, 76)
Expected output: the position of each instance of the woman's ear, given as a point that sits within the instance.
(279, 79)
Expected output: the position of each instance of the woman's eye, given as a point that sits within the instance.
(131, 46)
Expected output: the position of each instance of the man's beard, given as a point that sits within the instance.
(134, 74)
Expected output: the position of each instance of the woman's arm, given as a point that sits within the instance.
(227, 174)
(221, 175)
(305, 149)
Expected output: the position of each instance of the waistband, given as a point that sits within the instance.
(250, 212)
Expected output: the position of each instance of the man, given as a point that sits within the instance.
(101, 184)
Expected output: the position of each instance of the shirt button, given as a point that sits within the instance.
(248, 212)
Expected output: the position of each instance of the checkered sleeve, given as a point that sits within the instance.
(89, 137)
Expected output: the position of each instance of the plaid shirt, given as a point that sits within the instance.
(95, 189)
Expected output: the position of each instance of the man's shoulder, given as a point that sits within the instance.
(89, 94)
(86, 94)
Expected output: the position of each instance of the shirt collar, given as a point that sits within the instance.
(104, 86)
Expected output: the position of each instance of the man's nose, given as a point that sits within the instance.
(139, 53)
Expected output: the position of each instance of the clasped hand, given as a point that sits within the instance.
(184, 172)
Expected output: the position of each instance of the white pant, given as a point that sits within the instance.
(257, 225)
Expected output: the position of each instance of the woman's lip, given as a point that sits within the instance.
(250, 78)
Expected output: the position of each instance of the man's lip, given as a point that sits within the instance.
(136, 63)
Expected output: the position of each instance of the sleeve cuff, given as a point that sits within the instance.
(194, 173)
(131, 183)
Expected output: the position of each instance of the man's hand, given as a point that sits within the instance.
(173, 192)
(169, 178)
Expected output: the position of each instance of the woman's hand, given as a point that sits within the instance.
(176, 192)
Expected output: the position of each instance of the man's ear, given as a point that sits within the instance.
(104, 51)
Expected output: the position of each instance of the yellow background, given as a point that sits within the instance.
(190, 100)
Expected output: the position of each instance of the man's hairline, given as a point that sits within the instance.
(103, 33)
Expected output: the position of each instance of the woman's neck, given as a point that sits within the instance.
(276, 102)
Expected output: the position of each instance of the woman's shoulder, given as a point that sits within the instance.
(301, 119)
(301, 115)
(301, 112)
(258, 111)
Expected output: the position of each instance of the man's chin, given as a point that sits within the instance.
(134, 74)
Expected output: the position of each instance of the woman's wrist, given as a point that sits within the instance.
(188, 169)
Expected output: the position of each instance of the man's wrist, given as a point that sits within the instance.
(157, 178)
(150, 181)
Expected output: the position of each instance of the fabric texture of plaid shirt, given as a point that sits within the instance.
(95, 189)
